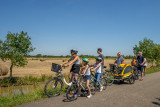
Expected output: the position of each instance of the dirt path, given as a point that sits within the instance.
(144, 93)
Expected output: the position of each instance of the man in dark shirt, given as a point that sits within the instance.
(141, 62)
(99, 51)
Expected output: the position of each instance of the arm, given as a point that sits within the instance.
(66, 61)
(96, 67)
(74, 60)
(84, 70)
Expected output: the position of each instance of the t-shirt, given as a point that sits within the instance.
(88, 72)
(119, 60)
(102, 56)
(98, 70)
(140, 60)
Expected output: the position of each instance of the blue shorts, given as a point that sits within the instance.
(140, 68)
(87, 77)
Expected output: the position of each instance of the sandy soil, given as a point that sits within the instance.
(35, 67)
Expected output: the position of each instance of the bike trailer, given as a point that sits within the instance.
(123, 71)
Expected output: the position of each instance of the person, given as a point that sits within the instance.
(119, 60)
(87, 75)
(75, 60)
(134, 63)
(145, 66)
(141, 62)
(97, 67)
(99, 51)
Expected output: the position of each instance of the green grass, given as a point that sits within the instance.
(152, 70)
(11, 101)
(24, 80)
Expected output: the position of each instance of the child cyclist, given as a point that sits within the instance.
(75, 60)
(87, 75)
(97, 67)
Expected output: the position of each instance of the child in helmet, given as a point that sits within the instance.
(87, 75)
(97, 67)
(75, 60)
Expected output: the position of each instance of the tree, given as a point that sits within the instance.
(150, 50)
(15, 48)
(39, 55)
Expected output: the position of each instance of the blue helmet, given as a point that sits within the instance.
(85, 60)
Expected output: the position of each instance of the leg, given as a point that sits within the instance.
(98, 77)
(87, 85)
(141, 73)
(70, 77)
(102, 72)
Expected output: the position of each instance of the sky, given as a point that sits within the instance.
(57, 26)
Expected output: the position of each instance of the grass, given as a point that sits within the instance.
(25, 80)
(11, 101)
(152, 70)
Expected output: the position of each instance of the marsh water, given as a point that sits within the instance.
(18, 90)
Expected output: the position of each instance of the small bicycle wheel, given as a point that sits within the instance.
(132, 80)
(53, 87)
(104, 83)
(92, 87)
(72, 92)
(110, 78)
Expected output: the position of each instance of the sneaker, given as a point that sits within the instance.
(101, 89)
(89, 96)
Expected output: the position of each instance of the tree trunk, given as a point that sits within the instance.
(11, 67)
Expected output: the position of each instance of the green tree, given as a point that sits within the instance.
(15, 48)
(149, 49)
(39, 55)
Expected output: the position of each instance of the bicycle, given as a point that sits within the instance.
(109, 74)
(55, 86)
(103, 81)
(73, 90)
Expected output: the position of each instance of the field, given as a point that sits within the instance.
(35, 67)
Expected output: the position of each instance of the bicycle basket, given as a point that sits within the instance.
(55, 67)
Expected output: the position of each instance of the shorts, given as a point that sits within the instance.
(75, 68)
(87, 77)
(140, 68)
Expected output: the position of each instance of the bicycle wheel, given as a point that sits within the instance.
(110, 78)
(92, 86)
(104, 83)
(72, 92)
(132, 80)
(53, 87)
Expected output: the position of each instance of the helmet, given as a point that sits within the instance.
(98, 59)
(74, 51)
(85, 60)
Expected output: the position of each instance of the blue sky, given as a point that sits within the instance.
(56, 26)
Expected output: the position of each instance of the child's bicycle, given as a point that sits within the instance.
(103, 81)
(72, 92)
(55, 86)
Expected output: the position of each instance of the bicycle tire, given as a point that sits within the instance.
(55, 89)
(72, 92)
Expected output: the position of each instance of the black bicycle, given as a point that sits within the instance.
(73, 90)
